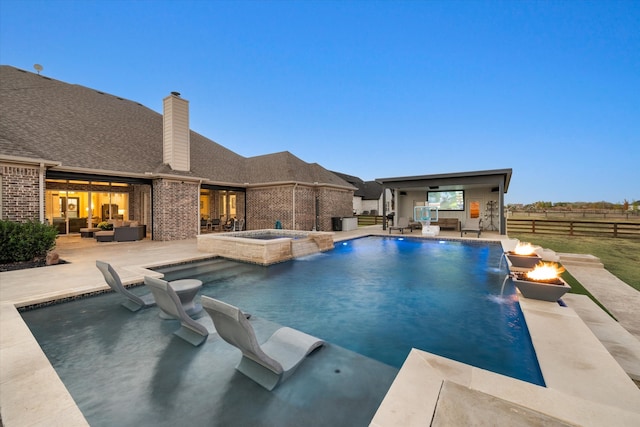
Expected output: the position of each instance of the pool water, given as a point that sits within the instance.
(382, 296)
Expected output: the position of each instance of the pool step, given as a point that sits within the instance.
(207, 270)
(205, 264)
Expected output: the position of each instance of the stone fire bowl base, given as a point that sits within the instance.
(523, 261)
(541, 291)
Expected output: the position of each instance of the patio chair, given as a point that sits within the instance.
(268, 364)
(403, 224)
(168, 300)
(473, 225)
(133, 302)
(230, 225)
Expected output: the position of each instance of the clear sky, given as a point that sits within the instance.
(373, 89)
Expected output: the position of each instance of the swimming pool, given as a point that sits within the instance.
(382, 296)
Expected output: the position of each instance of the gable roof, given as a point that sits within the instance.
(86, 130)
(367, 190)
(284, 166)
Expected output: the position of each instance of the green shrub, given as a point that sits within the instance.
(104, 225)
(25, 241)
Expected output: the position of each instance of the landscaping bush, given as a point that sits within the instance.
(25, 241)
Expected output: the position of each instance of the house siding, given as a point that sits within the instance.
(20, 193)
(176, 143)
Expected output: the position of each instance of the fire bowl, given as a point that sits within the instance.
(551, 290)
(523, 261)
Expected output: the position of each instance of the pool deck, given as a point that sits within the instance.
(588, 360)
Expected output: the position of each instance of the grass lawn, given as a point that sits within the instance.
(620, 256)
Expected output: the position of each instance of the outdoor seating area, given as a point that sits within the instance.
(219, 225)
(472, 225)
(447, 223)
(268, 364)
(401, 225)
(122, 231)
(133, 302)
(179, 304)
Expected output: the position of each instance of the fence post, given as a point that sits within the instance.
(615, 229)
(533, 226)
(571, 228)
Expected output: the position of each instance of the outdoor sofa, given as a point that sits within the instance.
(123, 231)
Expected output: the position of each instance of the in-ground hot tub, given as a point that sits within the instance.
(265, 247)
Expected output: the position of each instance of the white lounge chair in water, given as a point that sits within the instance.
(472, 225)
(268, 364)
(169, 302)
(134, 302)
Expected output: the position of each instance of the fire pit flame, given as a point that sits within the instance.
(545, 271)
(524, 249)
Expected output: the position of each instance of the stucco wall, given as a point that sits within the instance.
(482, 195)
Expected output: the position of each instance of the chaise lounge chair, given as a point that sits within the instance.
(473, 225)
(270, 363)
(403, 224)
(134, 302)
(169, 302)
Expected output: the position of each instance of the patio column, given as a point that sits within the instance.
(503, 224)
(384, 208)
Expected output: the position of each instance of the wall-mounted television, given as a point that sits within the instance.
(451, 200)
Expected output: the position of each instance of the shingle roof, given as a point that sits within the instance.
(372, 190)
(368, 190)
(85, 128)
(284, 166)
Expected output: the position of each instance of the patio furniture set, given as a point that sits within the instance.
(122, 231)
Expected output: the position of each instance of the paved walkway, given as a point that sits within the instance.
(622, 301)
(585, 386)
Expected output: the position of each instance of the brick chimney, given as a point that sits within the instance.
(175, 127)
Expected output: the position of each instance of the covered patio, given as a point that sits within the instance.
(459, 195)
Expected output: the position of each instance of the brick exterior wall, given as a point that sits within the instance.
(240, 205)
(334, 202)
(305, 207)
(266, 205)
(175, 210)
(176, 203)
(20, 193)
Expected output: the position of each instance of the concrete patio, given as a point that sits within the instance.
(588, 360)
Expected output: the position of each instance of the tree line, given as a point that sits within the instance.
(567, 206)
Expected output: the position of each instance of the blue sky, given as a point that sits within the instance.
(374, 89)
